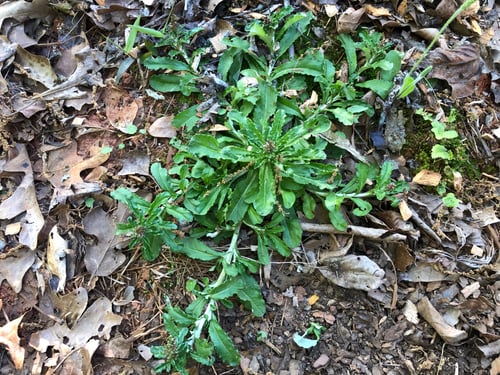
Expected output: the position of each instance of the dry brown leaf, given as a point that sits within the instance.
(427, 178)
(64, 168)
(24, 198)
(460, 67)
(102, 258)
(15, 266)
(448, 333)
(35, 67)
(495, 366)
(23, 10)
(10, 338)
(135, 163)
(121, 108)
(162, 127)
(376, 11)
(349, 20)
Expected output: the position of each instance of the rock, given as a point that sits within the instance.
(321, 361)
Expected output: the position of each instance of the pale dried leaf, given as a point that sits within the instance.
(24, 198)
(102, 259)
(37, 68)
(349, 20)
(10, 338)
(135, 163)
(376, 11)
(448, 333)
(15, 266)
(23, 10)
(163, 128)
(57, 247)
(427, 178)
(410, 312)
(121, 108)
(354, 272)
(97, 321)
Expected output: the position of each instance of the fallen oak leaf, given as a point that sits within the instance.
(10, 338)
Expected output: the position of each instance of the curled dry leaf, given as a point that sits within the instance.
(448, 333)
(427, 178)
(349, 20)
(10, 338)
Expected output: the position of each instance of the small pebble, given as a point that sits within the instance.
(321, 361)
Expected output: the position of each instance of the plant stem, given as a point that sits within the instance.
(463, 7)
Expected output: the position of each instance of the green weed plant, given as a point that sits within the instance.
(267, 167)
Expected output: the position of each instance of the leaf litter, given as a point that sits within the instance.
(438, 264)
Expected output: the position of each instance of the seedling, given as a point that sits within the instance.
(303, 341)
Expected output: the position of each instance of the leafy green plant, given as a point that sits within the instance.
(409, 83)
(305, 342)
(267, 165)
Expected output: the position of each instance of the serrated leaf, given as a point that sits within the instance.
(205, 145)
(223, 344)
(253, 295)
(203, 352)
(440, 152)
(344, 116)
(226, 289)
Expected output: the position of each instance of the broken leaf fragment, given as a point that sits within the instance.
(56, 257)
(10, 338)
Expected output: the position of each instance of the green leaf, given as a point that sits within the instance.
(262, 250)
(292, 231)
(244, 189)
(394, 57)
(363, 207)
(177, 315)
(337, 219)
(304, 342)
(288, 198)
(439, 130)
(450, 200)
(344, 116)
(256, 29)
(186, 118)
(310, 64)
(180, 213)
(308, 206)
(440, 152)
(407, 87)
(196, 249)
(203, 352)
(265, 199)
(205, 145)
(378, 86)
(174, 83)
(252, 294)
(223, 344)
(292, 30)
(163, 62)
(227, 289)
(350, 52)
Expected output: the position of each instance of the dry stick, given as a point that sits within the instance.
(354, 230)
(395, 284)
(420, 223)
